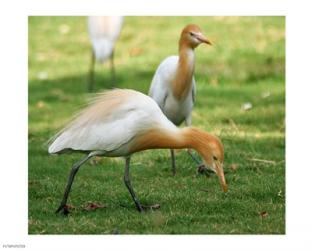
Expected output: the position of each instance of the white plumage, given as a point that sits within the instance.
(109, 124)
(173, 86)
(104, 32)
(161, 91)
(122, 122)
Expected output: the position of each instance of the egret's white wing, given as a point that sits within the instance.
(193, 89)
(111, 121)
(160, 86)
(106, 136)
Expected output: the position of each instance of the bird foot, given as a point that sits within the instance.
(64, 209)
(202, 169)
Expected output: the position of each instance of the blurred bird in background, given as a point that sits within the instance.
(104, 32)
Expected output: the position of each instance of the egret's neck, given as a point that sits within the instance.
(173, 139)
(182, 83)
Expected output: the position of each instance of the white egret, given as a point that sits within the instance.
(122, 122)
(173, 85)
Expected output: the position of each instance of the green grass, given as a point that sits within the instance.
(247, 60)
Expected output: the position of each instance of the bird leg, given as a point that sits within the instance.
(91, 72)
(128, 185)
(173, 164)
(201, 168)
(193, 157)
(113, 69)
(63, 207)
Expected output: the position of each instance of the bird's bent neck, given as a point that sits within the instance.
(182, 82)
(188, 137)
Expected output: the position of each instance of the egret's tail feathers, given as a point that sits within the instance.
(55, 146)
(60, 143)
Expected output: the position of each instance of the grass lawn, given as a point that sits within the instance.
(245, 64)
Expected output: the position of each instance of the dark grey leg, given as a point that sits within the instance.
(173, 164)
(188, 122)
(63, 208)
(113, 69)
(200, 166)
(91, 72)
(128, 185)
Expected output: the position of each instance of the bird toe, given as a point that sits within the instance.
(63, 209)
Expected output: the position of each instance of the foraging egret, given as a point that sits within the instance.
(122, 122)
(104, 32)
(173, 85)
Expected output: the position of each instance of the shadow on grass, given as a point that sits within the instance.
(77, 84)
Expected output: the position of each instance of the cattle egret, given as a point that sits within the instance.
(173, 85)
(104, 32)
(122, 122)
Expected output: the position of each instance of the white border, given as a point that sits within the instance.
(157, 7)
(14, 122)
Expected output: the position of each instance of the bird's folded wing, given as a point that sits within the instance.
(108, 135)
(161, 83)
(193, 90)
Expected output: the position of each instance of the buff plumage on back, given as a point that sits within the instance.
(108, 122)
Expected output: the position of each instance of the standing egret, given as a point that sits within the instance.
(104, 32)
(173, 85)
(122, 122)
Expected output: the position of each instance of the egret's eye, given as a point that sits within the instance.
(215, 158)
(192, 34)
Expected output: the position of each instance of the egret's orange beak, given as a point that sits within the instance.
(220, 174)
(203, 39)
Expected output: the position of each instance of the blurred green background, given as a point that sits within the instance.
(245, 65)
